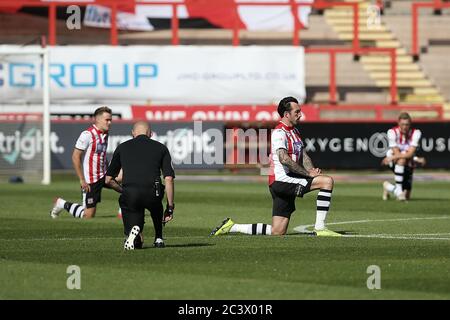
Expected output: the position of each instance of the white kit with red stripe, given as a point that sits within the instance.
(284, 137)
(403, 142)
(94, 143)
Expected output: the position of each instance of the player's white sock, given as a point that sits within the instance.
(74, 209)
(399, 172)
(390, 187)
(254, 229)
(60, 203)
(323, 204)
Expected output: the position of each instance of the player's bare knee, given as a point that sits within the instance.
(330, 183)
(327, 182)
(401, 162)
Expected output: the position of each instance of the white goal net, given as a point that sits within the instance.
(24, 114)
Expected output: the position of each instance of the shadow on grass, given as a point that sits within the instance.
(108, 216)
(187, 245)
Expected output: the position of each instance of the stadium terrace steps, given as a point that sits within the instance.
(431, 27)
(353, 83)
(410, 75)
(446, 110)
(403, 7)
(436, 63)
(387, 67)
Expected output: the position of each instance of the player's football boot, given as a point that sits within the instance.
(326, 233)
(159, 243)
(223, 228)
(401, 196)
(385, 190)
(57, 208)
(129, 242)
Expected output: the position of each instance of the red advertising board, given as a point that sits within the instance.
(215, 113)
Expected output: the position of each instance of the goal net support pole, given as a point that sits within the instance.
(43, 52)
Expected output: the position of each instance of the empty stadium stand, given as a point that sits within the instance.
(359, 81)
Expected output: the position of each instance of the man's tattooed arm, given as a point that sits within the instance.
(307, 162)
(293, 166)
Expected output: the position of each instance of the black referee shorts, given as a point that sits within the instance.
(133, 201)
(284, 194)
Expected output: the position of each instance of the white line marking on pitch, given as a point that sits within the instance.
(380, 236)
(417, 236)
(299, 229)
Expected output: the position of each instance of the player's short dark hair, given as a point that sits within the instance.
(285, 105)
(404, 116)
(102, 110)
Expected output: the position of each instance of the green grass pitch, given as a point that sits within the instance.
(410, 242)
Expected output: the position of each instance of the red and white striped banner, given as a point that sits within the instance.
(203, 14)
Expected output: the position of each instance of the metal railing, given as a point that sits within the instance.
(332, 52)
(415, 7)
(294, 4)
(114, 4)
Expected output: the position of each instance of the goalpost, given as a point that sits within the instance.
(22, 156)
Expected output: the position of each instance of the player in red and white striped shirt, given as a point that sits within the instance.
(90, 163)
(292, 175)
(401, 157)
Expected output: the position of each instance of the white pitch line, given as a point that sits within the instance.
(415, 234)
(303, 229)
(299, 229)
(380, 236)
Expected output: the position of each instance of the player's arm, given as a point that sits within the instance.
(170, 192)
(308, 164)
(406, 155)
(77, 160)
(409, 154)
(293, 166)
(169, 176)
(113, 184)
(114, 170)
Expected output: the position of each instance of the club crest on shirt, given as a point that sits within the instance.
(298, 147)
(101, 147)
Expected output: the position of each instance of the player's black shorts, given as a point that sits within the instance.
(407, 177)
(284, 194)
(133, 201)
(94, 196)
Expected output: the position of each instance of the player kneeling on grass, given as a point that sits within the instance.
(292, 175)
(401, 158)
(90, 163)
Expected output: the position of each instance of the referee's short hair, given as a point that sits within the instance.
(102, 110)
(285, 105)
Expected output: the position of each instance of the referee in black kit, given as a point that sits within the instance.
(142, 160)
